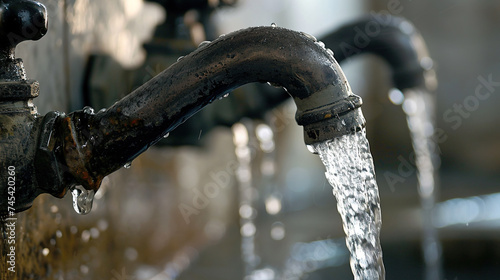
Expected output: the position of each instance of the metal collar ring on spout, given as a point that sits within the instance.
(95, 145)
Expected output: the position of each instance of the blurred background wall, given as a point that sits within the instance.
(136, 228)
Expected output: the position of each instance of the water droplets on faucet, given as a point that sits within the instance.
(166, 135)
(203, 44)
(82, 199)
(330, 52)
(127, 165)
(309, 36)
(274, 84)
(321, 44)
(88, 110)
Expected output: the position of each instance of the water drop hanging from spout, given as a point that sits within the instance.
(127, 165)
(166, 135)
(82, 199)
(273, 25)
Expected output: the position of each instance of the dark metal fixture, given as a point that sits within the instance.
(394, 39)
(58, 151)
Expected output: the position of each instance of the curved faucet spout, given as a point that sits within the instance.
(394, 39)
(95, 145)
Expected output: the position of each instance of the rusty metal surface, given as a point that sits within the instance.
(114, 137)
(21, 21)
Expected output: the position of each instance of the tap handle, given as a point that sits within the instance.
(20, 20)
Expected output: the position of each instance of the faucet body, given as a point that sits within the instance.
(112, 138)
(58, 151)
(394, 39)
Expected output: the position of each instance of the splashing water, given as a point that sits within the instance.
(350, 171)
(82, 199)
(419, 108)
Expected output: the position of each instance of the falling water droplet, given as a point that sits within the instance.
(180, 58)
(273, 25)
(82, 199)
(203, 44)
(127, 165)
(309, 36)
(166, 135)
(311, 149)
(88, 110)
